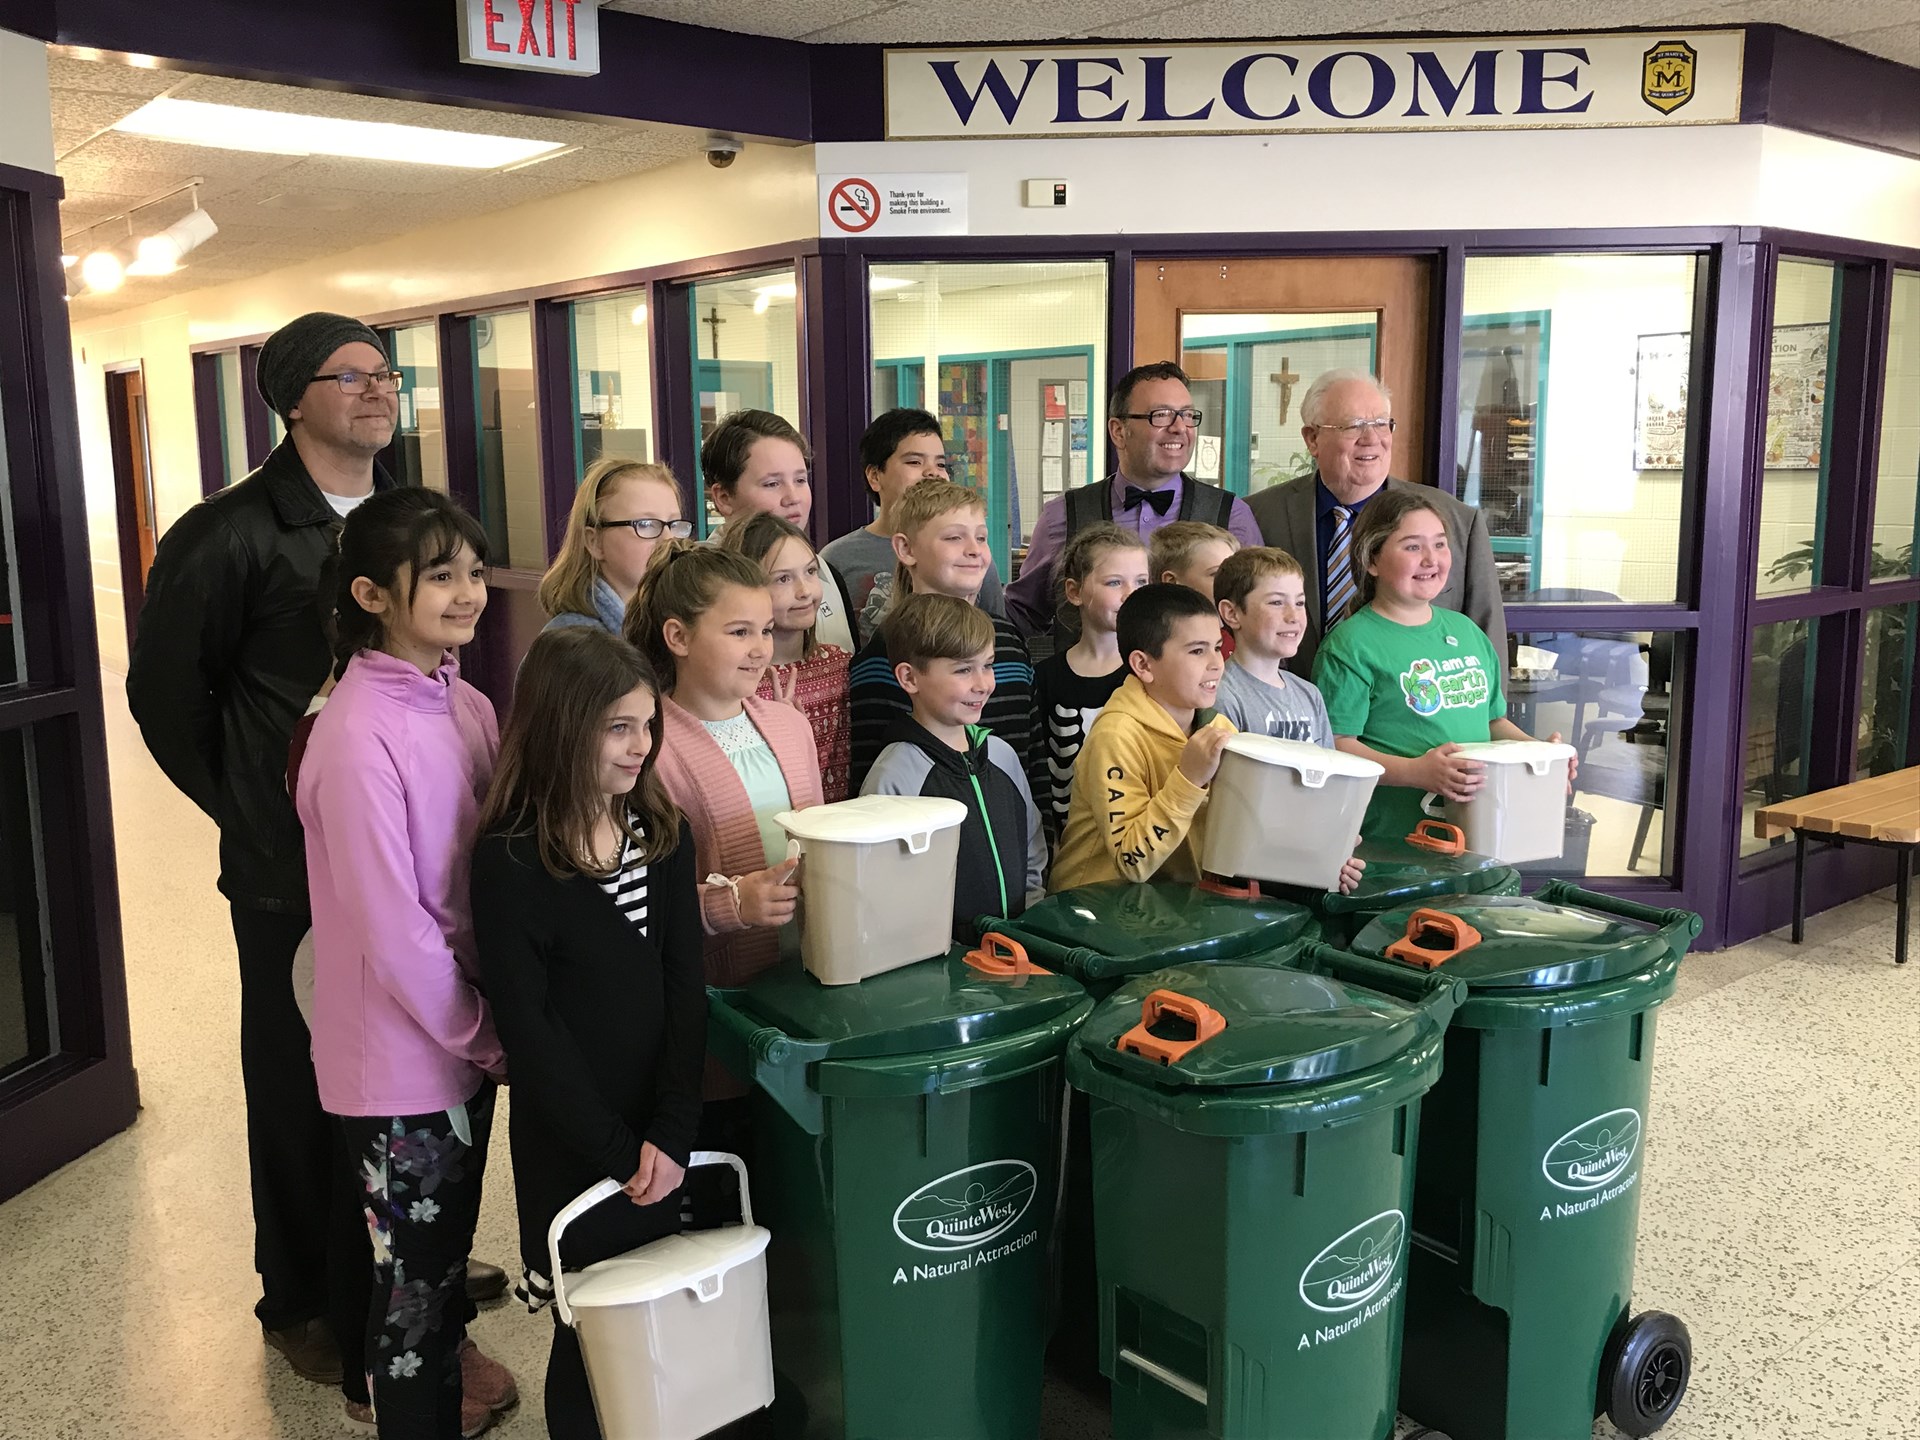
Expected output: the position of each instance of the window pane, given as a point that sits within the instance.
(419, 447)
(1610, 694)
(746, 345)
(1793, 486)
(612, 379)
(509, 439)
(231, 395)
(1779, 723)
(1886, 691)
(1010, 357)
(26, 993)
(1571, 420)
(1249, 374)
(1896, 504)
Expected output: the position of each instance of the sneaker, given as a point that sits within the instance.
(475, 1417)
(485, 1379)
(310, 1350)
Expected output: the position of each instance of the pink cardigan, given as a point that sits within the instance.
(726, 838)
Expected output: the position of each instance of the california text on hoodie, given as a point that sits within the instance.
(1003, 852)
(1132, 811)
(390, 792)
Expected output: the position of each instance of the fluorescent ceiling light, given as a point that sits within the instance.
(271, 132)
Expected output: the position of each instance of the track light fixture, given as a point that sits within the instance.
(104, 269)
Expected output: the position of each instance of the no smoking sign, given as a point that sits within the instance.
(893, 204)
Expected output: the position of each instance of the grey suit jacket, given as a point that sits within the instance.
(1285, 515)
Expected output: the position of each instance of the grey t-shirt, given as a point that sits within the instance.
(863, 557)
(1294, 713)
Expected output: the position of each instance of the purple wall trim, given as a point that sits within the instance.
(206, 423)
(834, 342)
(849, 92)
(1446, 296)
(253, 408)
(30, 182)
(554, 380)
(676, 446)
(1825, 88)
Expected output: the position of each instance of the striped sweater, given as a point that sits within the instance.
(876, 698)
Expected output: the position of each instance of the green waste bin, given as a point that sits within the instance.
(1528, 1190)
(1253, 1147)
(1432, 863)
(907, 1131)
(1105, 933)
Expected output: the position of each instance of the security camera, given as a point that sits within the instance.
(721, 150)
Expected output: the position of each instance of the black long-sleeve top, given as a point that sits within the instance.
(604, 1021)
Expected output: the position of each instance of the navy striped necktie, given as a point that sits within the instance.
(1339, 587)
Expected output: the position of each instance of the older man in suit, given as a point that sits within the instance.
(1347, 421)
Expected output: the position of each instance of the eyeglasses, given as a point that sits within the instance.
(1360, 429)
(1161, 416)
(647, 528)
(357, 382)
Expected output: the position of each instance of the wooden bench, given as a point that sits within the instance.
(1882, 811)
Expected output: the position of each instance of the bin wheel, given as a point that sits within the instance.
(1648, 1376)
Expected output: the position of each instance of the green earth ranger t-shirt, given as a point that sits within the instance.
(1404, 689)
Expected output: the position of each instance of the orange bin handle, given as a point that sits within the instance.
(1439, 835)
(1207, 1022)
(1421, 925)
(1216, 886)
(999, 955)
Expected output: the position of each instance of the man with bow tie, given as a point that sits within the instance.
(1152, 423)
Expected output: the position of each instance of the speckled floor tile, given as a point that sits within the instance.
(1777, 1211)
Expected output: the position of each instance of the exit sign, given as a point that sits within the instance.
(562, 36)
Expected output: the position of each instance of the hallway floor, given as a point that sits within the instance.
(1778, 1218)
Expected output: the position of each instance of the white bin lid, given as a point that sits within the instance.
(696, 1261)
(1314, 762)
(873, 819)
(1537, 755)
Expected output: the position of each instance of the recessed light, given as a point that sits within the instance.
(273, 132)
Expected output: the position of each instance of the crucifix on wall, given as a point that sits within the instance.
(1286, 379)
(713, 318)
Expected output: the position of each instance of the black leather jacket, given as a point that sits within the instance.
(231, 648)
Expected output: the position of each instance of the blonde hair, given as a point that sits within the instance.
(1089, 545)
(925, 503)
(757, 536)
(682, 580)
(1244, 569)
(1172, 547)
(936, 627)
(567, 587)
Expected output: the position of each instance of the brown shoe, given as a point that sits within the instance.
(485, 1282)
(475, 1417)
(485, 1379)
(310, 1350)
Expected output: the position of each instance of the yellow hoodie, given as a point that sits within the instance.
(1132, 811)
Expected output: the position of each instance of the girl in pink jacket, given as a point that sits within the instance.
(404, 1047)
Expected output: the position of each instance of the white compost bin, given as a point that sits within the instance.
(1285, 811)
(674, 1334)
(1520, 813)
(876, 882)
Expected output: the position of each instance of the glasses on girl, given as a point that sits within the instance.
(649, 528)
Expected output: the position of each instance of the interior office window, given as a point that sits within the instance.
(1012, 357)
(1609, 694)
(1896, 503)
(1249, 374)
(1793, 483)
(419, 446)
(612, 378)
(1886, 691)
(509, 438)
(1571, 420)
(230, 393)
(1780, 709)
(746, 352)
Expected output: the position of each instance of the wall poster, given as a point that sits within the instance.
(1660, 401)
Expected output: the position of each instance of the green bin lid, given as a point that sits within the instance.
(1430, 862)
(1163, 922)
(931, 1005)
(1523, 944)
(1277, 1027)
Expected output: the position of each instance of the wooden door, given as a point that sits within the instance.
(132, 486)
(1276, 312)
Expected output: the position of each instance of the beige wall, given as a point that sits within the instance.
(679, 212)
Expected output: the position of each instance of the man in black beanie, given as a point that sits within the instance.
(230, 651)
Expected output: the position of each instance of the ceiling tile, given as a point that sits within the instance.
(1896, 42)
(66, 73)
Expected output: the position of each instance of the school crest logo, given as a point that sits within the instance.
(1666, 75)
(1422, 688)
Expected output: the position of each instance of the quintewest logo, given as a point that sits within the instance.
(1357, 1266)
(1592, 1154)
(967, 1208)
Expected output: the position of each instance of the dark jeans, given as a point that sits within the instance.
(422, 1197)
(309, 1239)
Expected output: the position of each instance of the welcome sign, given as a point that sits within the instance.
(1316, 86)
